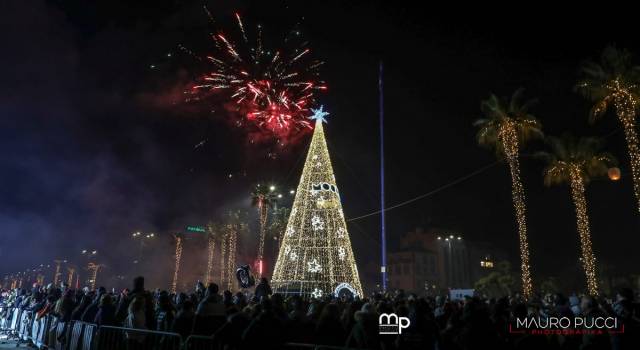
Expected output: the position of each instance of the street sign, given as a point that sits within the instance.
(199, 229)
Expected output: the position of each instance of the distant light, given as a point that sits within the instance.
(292, 192)
(451, 236)
(439, 238)
(459, 238)
(169, 54)
(272, 188)
(84, 251)
(94, 252)
(152, 66)
(279, 195)
(446, 239)
(614, 174)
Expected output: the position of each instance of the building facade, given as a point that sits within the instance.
(434, 260)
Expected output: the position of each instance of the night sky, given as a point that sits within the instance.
(95, 143)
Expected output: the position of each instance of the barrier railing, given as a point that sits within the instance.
(305, 346)
(112, 338)
(50, 333)
(200, 342)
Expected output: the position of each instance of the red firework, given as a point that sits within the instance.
(272, 89)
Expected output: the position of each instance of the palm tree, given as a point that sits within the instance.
(262, 198)
(179, 239)
(234, 224)
(577, 161)
(215, 232)
(279, 220)
(614, 84)
(507, 126)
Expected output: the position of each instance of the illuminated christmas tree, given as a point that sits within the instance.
(315, 257)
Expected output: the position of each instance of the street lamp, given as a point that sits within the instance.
(272, 188)
(138, 235)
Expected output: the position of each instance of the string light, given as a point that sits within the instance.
(211, 245)
(316, 256)
(178, 257)
(588, 258)
(575, 162)
(626, 105)
(71, 271)
(223, 252)
(93, 268)
(262, 207)
(231, 256)
(263, 197)
(614, 83)
(509, 138)
(507, 126)
(56, 275)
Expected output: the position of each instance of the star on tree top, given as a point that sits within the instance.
(319, 115)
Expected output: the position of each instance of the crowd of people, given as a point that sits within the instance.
(266, 320)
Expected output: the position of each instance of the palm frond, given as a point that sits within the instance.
(568, 152)
(498, 111)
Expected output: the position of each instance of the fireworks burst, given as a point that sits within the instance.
(272, 89)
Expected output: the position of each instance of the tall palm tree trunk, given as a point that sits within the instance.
(222, 258)
(626, 115)
(176, 271)
(509, 139)
(211, 245)
(517, 193)
(232, 258)
(588, 258)
(262, 207)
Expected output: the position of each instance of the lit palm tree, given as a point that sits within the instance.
(614, 84)
(279, 220)
(262, 198)
(577, 161)
(234, 224)
(215, 232)
(179, 239)
(507, 126)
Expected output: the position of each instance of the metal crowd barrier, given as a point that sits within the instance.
(110, 338)
(49, 333)
(200, 342)
(304, 346)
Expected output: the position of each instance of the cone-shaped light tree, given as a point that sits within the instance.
(315, 256)
(614, 83)
(262, 198)
(577, 161)
(507, 126)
